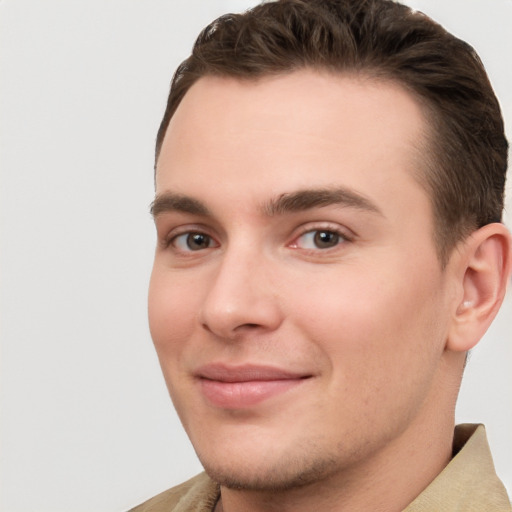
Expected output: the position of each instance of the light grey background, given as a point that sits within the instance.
(86, 424)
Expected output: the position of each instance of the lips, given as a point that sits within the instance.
(236, 387)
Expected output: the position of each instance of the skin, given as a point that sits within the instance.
(363, 313)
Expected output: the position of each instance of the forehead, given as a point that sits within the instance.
(292, 131)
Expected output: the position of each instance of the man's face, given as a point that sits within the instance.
(297, 304)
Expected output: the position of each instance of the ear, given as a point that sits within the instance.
(484, 265)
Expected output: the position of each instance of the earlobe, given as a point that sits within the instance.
(486, 262)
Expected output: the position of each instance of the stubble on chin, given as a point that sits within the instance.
(284, 475)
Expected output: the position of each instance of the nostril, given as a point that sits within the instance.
(248, 327)
(205, 327)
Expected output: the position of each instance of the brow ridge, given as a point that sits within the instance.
(300, 200)
(316, 198)
(172, 202)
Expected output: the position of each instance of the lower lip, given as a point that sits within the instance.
(238, 395)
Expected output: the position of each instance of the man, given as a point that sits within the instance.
(329, 187)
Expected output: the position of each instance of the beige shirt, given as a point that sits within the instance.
(467, 484)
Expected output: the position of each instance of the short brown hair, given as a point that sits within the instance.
(464, 160)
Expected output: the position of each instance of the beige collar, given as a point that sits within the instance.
(469, 482)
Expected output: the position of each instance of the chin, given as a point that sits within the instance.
(289, 472)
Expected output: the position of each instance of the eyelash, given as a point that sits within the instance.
(342, 237)
(173, 239)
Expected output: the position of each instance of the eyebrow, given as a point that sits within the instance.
(171, 202)
(301, 200)
(308, 199)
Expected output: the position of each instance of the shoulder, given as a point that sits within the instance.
(199, 494)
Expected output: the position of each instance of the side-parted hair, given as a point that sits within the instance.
(462, 161)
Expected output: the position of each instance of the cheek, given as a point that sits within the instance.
(171, 317)
(171, 311)
(378, 346)
(373, 325)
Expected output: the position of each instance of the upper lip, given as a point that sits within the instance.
(246, 373)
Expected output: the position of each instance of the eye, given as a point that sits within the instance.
(193, 241)
(319, 239)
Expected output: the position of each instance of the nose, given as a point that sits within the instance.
(241, 297)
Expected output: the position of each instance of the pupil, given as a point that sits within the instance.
(197, 241)
(325, 239)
